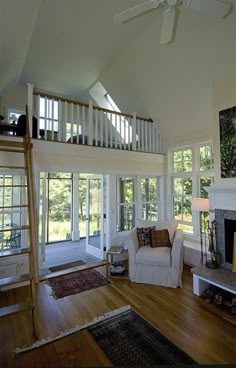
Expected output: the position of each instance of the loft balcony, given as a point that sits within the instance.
(73, 122)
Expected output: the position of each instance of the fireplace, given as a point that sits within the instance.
(225, 229)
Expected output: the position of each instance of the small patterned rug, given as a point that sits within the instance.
(76, 282)
(129, 340)
(123, 335)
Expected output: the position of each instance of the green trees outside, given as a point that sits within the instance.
(228, 143)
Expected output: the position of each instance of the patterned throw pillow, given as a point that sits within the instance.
(160, 238)
(144, 235)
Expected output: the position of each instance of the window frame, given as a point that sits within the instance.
(196, 173)
(137, 198)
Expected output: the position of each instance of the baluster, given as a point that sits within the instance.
(45, 118)
(71, 121)
(116, 131)
(150, 136)
(96, 127)
(101, 115)
(134, 132)
(77, 123)
(38, 115)
(146, 137)
(90, 123)
(60, 123)
(83, 124)
(65, 118)
(139, 134)
(125, 132)
(120, 132)
(110, 130)
(106, 130)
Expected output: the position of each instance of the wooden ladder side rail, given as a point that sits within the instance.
(33, 264)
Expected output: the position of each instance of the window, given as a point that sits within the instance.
(136, 197)
(149, 198)
(11, 194)
(14, 114)
(104, 99)
(192, 172)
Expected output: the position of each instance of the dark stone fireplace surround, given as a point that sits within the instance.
(224, 234)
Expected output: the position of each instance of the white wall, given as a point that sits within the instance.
(16, 98)
(173, 83)
(223, 97)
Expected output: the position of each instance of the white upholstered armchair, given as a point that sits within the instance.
(159, 266)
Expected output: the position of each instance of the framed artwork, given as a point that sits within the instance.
(227, 119)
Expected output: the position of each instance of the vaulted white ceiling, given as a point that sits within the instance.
(64, 46)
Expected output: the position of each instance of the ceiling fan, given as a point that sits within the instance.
(215, 8)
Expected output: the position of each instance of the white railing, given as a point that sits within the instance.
(63, 120)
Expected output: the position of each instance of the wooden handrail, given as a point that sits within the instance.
(76, 102)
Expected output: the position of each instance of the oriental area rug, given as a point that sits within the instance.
(123, 336)
(76, 282)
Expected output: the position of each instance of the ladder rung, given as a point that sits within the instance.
(14, 186)
(15, 280)
(14, 252)
(13, 167)
(15, 144)
(24, 227)
(15, 206)
(15, 150)
(13, 309)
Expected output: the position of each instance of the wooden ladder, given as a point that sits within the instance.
(25, 148)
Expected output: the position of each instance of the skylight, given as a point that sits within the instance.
(103, 99)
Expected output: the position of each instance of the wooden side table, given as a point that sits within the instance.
(109, 260)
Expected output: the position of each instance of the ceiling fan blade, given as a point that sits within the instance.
(135, 11)
(214, 8)
(167, 28)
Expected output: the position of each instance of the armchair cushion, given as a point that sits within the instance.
(160, 256)
(171, 226)
(144, 236)
(160, 238)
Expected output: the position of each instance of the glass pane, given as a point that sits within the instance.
(82, 207)
(122, 189)
(206, 158)
(204, 182)
(146, 211)
(178, 208)
(94, 212)
(59, 208)
(144, 190)
(126, 217)
(187, 212)
(129, 193)
(187, 186)
(178, 186)
(187, 166)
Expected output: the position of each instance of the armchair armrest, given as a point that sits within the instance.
(177, 250)
(132, 245)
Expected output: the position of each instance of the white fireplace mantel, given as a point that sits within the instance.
(222, 197)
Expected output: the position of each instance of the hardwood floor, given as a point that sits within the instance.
(202, 332)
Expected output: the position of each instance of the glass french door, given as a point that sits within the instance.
(95, 216)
